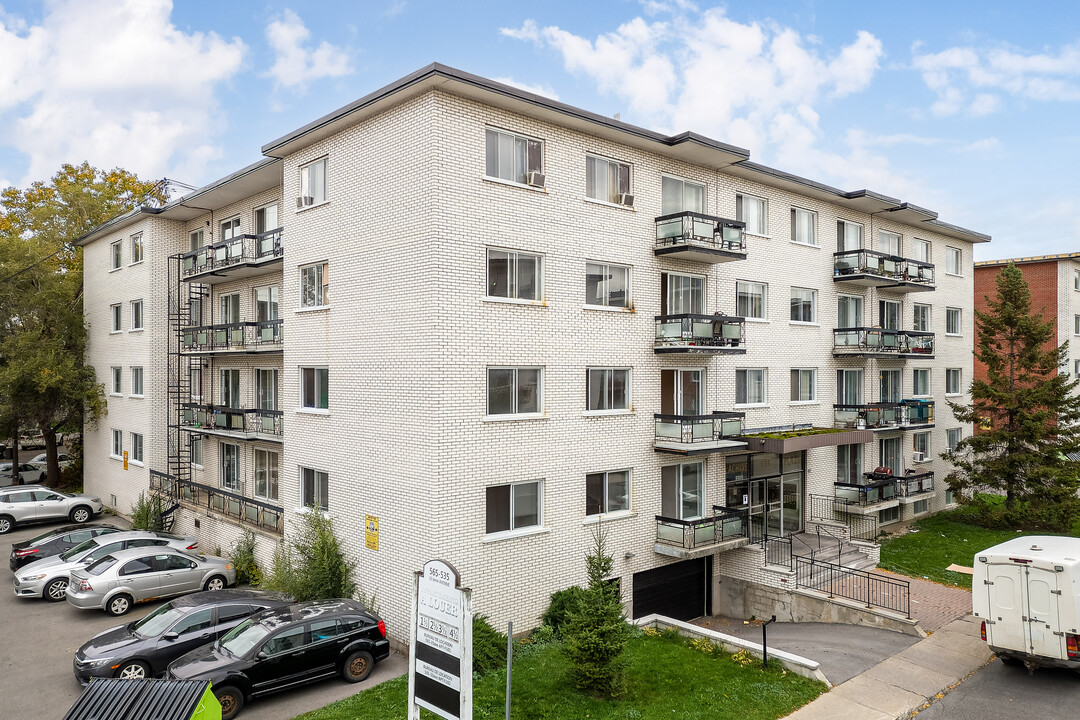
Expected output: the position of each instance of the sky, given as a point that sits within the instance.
(966, 108)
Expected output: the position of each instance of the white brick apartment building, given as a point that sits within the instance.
(446, 306)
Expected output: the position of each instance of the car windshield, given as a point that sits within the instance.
(243, 637)
(158, 621)
(79, 549)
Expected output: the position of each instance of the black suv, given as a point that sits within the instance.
(54, 542)
(285, 648)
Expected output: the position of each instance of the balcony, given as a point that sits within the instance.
(725, 530)
(700, 238)
(230, 502)
(692, 334)
(870, 268)
(250, 424)
(243, 337)
(914, 486)
(879, 343)
(882, 416)
(698, 434)
(238, 257)
(880, 492)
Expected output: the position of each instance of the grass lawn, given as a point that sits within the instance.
(666, 678)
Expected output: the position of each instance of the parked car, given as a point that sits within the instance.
(27, 473)
(41, 460)
(48, 578)
(32, 441)
(287, 647)
(54, 542)
(144, 648)
(120, 579)
(21, 504)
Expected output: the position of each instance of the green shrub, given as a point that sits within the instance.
(563, 602)
(313, 566)
(147, 513)
(489, 646)
(243, 558)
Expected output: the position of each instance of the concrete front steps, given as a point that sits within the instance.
(826, 548)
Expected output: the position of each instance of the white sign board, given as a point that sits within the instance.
(440, 657)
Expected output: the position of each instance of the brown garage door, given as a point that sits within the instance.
(679, 590)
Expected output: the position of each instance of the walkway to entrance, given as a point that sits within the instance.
(934, 605)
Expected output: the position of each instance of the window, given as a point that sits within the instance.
(1076, 279)
(681, 495)
(949, 497)
(682, 392)
(952, 381)
(888, 515)
(117, 443)
(888, 242)
(889, 449)
(314, 388)
(889, 381)
(266, 389)
(803, 227)
(607, 492)
(920, 381)
(266, 474)
(921, 319)
(952, 321)
(315, 285)
(608, 388)
(266, 219)
(750, 386)
(849, 387)
(197, 451)
(680, 294)
(315, 487)
(513, 275)
(136, 447)
(196, 239)
(117, 375)
(230, 309)
(313, 183)
(1076, 368)
(284, 642)
(920, 506)
(116, 254)
(1076, 324)
(512, 157)
(889, 314)
(514, 507)
(229, 228)
(920, 250)
(514, 390)
(953, 437)
(803, 305)
(137, 381)
(196, 621)
(849, 463)
(136, 315)
(751, 210)
(848, 236)
(267, 304)
(952, 260)
(922, 444)
(606, 180)
(230, 388)
(849, 311)
(117, 315)
(136, 249)
(607, 285)
(803, 385)
(750, 299)
(195, 379)
(680, 196)
(230, 466)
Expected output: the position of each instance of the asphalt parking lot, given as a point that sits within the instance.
(40, 638)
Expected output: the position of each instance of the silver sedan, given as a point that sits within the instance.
(27, 504)
(118, 580)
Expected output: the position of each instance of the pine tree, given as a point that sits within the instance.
(597, 631)
(1028, 414)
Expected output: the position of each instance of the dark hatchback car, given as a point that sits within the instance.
(54, 542)
(144, 648)
(284, 648)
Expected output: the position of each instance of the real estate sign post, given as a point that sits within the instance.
(440, 654)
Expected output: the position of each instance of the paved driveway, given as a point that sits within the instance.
(1005, 691)
(40, 638)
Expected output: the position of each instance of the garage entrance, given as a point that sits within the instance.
(679, 590)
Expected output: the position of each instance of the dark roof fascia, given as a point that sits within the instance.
(121, 219)
(972, 236)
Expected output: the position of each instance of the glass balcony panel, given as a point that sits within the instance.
(704, 533)
(665, 429)
(669, 534)
(702, 329)
(733, 236)
(702, 430)
(731, 428)
(703, 228)
(667, 229)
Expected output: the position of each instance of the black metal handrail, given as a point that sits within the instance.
(698, 532)
(858, 585)
(880, 340)
(699, 330)
(236, 250)
(719, 425)
(830, 509)
(878, 490)
(253, 421)
(232, 336)
(778, 551)
(916, 483)
(228, 502)
(694, 228)
(874, 262)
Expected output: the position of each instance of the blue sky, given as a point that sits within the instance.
(964, 107)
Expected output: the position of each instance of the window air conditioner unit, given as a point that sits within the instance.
(918, 456)
(536, 179)
(304, 201)
(626, 199)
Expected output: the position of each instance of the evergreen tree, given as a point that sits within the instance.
(597, 631)
(1027, 412)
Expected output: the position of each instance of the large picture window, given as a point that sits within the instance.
(515, 506)
(514, 275)
(607, 492)
(514, 390)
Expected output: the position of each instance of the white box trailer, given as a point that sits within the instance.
(1027, 593)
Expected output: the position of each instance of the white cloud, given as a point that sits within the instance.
(395, 8)
(528, 31)
(544, 90)
(113, 82)
(981, 147)
(296, 65)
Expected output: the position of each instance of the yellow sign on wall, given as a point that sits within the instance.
(371, 533)
(125, 459)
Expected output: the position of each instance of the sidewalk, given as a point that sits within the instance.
(905, 682)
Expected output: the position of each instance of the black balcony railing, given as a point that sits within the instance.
(238, 250)
(869, 340)
(230, 502)
(833, 509)
(882, 415)
(250, 422)
(870, 589)
(916, 483)
(690, 332)
(892, 268)
(705, 231)
(870, 493)
(725, 524)
(242, 336)
(720, 425)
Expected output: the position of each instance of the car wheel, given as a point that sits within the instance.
(43, 478)
(133, 670)
(231, 699)
(119, 604)
(80, 514)
(6, 523)
(215, 582)
(56, 590)
(358, 666)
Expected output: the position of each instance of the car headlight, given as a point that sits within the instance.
(94, 499)
(98, 662)
(31, 578)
